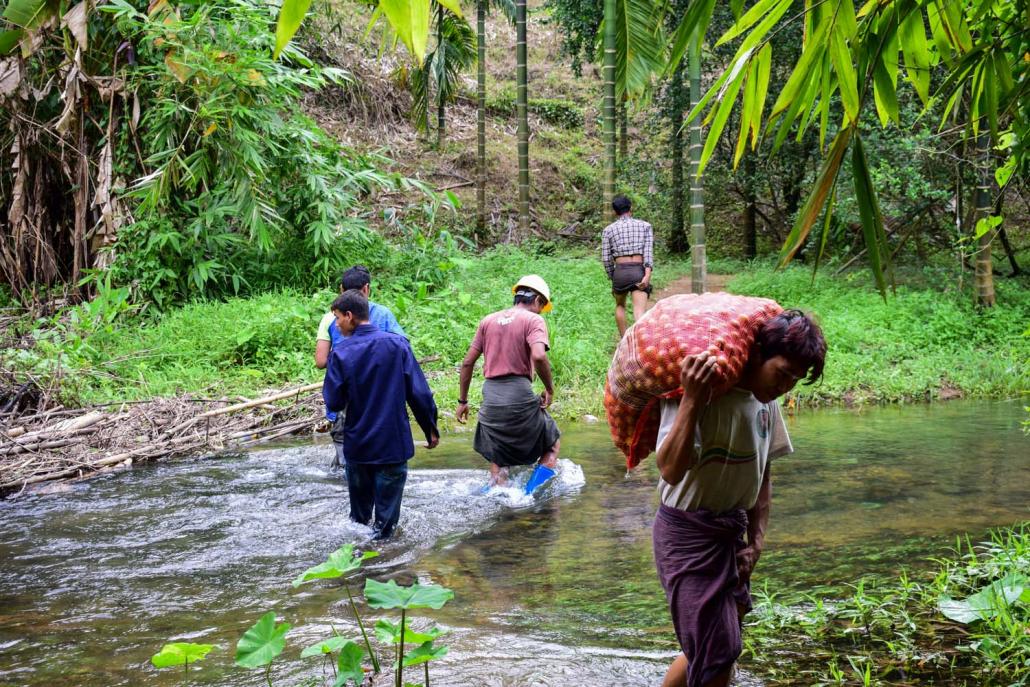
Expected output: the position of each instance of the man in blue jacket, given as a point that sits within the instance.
(356, 277)
(372, 374)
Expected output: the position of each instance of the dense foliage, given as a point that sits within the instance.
(209, 175)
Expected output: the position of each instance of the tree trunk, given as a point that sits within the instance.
(984, 274)
(480, 120)
(441, 111)
(698, 257)
(522, 113)
(608, 134)
(623, 127)
(678, 242)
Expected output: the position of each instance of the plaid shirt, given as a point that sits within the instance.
(626, 236)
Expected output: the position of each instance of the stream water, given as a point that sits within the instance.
(559, 590)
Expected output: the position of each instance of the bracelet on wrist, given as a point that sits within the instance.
(463, 402)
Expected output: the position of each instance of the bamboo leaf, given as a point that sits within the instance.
(750, 18)
(824, 183)
(846, 77)
(1004, 71)
(410, 22)
(938, 32)
(757, 35)
(916, 54)
(975, 101)
(885, 95)
(808, 107)
(990, 98)
(761, 91)
(827, 220)
(718, 89)
(722, 114)
(827, 88)
(747, 104)
(785, 123)
(290, 18)
(846, 20)
(869, 212)
(814, 52)
(454, 6)
(696, 18)
(955, 25)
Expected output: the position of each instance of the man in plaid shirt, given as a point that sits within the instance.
(627, 245)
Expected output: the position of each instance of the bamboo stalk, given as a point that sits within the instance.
(243, 406)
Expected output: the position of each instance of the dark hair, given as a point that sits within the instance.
(527, 295)
(797, 337)
(354, 302)
(355, 278)
(621, 204)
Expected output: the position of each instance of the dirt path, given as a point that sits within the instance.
(716, 282)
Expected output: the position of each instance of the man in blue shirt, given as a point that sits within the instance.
(356, 277)
(371, 375)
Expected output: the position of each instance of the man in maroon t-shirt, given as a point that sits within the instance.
(514, 426)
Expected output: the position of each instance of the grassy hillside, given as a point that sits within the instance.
(565, 150)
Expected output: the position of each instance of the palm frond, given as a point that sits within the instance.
(507, 8)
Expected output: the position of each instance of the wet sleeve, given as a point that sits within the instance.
(418, 394)
(779, 440)
(334, 390)
(536, 332)
(323, 327)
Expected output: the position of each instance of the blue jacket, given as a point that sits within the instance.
(372, 374)
(379, 315)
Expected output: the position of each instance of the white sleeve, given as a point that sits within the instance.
(779, 440)
(669, 407)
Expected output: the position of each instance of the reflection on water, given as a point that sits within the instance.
(554, 591)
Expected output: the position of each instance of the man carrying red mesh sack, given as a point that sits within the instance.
(714, 449)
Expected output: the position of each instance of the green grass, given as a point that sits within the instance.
(245, 346)
(894, 631)
(926, 339)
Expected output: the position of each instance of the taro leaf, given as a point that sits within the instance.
(389, 633)
(341, 562)
(180, 653)
(389, 595)
(262, 642)
(326, 646)
(348, 666)
(986, 603)
(424, 653)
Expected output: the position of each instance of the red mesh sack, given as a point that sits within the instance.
(646, 365)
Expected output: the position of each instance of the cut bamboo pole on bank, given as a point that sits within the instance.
(244, 406)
